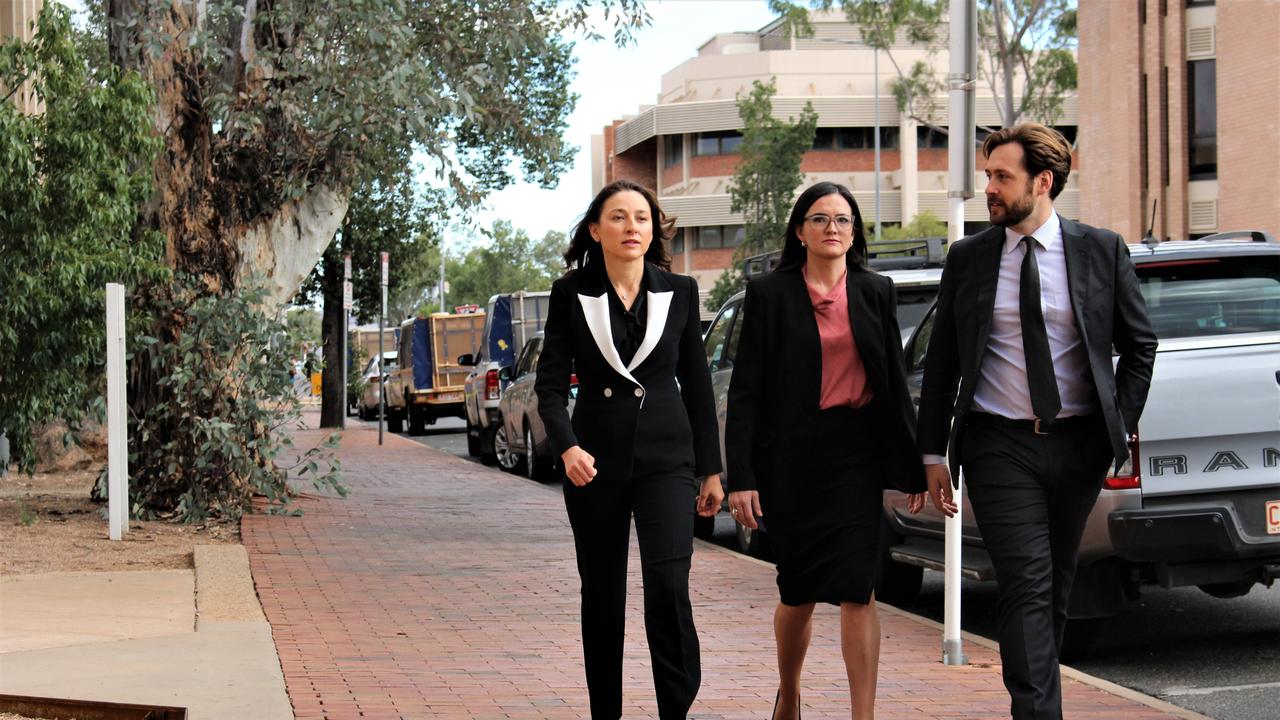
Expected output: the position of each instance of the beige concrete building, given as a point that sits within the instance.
(17, 19)
(1180, 101)
(684, 145)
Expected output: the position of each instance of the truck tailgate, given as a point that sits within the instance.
(1212, 420)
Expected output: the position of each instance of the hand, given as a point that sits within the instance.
(915, 502)
(938, 478)
(579, 465)
(710, 496)
(745, 507)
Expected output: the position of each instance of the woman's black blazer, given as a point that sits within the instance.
(578, 339)
(777, 380)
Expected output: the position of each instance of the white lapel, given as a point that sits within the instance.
(659, 306)
(596, 312)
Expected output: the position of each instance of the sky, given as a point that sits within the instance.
(613, 83)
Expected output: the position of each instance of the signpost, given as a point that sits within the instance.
(117, 420)
(960, 163)
(346, 331)
(385, 258)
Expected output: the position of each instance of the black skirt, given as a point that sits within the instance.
(824, 518)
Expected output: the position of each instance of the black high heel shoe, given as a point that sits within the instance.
(778, 696)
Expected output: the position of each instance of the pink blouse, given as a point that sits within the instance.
(844, 378)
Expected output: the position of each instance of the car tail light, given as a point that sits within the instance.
(573, 379)
(1128, 476)
(491, 385)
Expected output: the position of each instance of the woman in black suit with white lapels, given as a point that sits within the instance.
(819, 423)
(643, 432)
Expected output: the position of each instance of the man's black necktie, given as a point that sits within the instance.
(1035, 340)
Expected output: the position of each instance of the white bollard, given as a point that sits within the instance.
(117, 419)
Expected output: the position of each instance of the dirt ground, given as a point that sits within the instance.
(49, 524)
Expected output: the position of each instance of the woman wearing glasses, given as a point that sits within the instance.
(819, 423)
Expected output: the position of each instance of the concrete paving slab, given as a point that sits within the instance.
(64, 609)
(226, 670)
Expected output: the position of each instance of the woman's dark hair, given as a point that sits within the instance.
(793, 253)
(584, 249)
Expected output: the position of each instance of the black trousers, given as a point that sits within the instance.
(600, 514)
(1031, 496)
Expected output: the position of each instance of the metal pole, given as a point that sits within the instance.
(960, 162)
(382, 372)
(346, 330)
(876, 55)
(442, 298)
(117, 420)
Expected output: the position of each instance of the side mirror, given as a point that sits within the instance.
(505, 374)
(468, 359)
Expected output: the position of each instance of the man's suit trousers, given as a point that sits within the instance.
(1031, 496)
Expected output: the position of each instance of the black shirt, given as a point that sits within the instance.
(627, 325)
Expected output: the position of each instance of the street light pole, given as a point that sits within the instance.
(876, 64)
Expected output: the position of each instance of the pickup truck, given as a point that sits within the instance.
(427, 383)
(511, 319)
(1199, 502)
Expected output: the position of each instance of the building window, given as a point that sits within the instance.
(928, 138)
(717, 143)
(672, 150)
(1202, 101)
(714, 237)
(855, 138)
(1144, 158)
(1068, 132)
(1200, 3)
(677, 242)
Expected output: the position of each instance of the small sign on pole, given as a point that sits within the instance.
(347, 293)
(117, 420)
(386, 259)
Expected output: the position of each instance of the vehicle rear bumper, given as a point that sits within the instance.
(1188, 534)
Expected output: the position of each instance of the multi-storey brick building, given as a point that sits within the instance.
(684, 146)
(17, 19)
(1181, 100)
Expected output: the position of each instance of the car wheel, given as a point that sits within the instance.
(473, 440)
(417, 418)
(896, 583)
(536, 467)
(507, 458)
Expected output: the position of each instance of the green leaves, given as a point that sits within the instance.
(213, 435)
(765, 180)
(72, 180)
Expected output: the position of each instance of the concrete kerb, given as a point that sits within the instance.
(1069, 672)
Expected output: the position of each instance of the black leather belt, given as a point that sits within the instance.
(1074, 423)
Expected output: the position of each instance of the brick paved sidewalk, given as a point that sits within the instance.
(444, 589)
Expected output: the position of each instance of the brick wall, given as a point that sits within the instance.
(1248, 87)
(711, 259)
(638, 164)
(1109, 173)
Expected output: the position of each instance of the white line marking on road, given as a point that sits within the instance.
(1176, 691)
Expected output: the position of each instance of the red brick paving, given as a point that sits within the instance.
(443, 589)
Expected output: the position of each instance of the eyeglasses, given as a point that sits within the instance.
(819, 221)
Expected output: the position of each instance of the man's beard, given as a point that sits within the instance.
(1015, 213)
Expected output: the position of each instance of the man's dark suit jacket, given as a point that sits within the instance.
(777, 380)
(578, 339)
(1109, 312)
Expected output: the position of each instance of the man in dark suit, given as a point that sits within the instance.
(1019, 390)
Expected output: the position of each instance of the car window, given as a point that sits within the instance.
(529, 358)
(717, 339)
(919, 343)
(1212, 296)
(913, 303)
